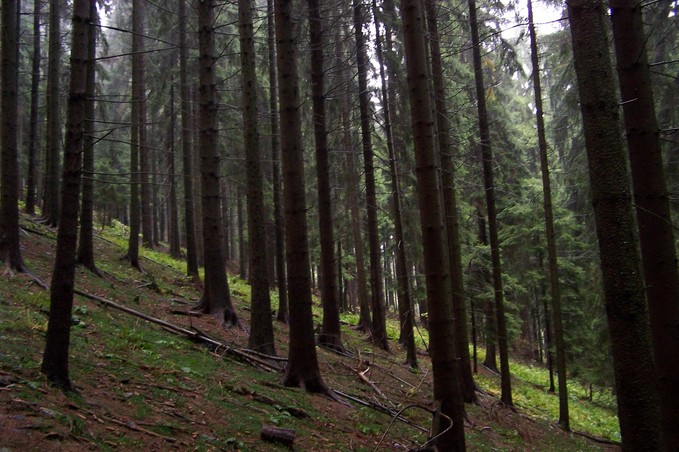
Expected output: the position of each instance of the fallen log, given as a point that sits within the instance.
(191, 334)
(273, 434)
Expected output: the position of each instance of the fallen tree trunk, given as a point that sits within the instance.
(191, 334)
(273, 434)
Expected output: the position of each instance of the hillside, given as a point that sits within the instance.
(144, 386)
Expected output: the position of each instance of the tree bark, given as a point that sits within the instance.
(173, 227)
(56, 354)
(659, 257)
(489, 186)
(187, 152)
(446, 371)
(33, 140)
(139, 73)
(86, 245)
(634, 370)
(242, 256)
(302, 367)
(10, 251)
(261, 327)
(490, 325)
(379, 329)
(330, 335)
(135, 152)
(53, 129)
(216, 299)
(442, 124)
(282, 314)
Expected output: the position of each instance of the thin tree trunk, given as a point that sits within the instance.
(656, 234)
(261, 327)
(379, 329)
(173, 229)
(446, 371)
(138, 26)
(450, 202)
(10, 251)
(197, 188)
(489, 185)
(340, 279)
(157, 216)
(475, 360)
(624, 294)
(53, 129)
(555, 290)
(86, 245)
(364, 322)
(548, 342)
(33, 140)
(330, 335)
(282, 315)
(216, 299)
(490, 326)
(406, 316)
(187, 152)
(56, 354)
(135, 152)
(230, 233)
(242, 256)
(302, 367)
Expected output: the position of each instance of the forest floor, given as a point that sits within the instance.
(144, 386)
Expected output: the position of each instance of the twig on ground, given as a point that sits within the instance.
(597, 439)
(400, 412)
(381, 408)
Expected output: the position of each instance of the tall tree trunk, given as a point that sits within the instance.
(173, 229)
(261, 328)
(446, 371)
(242, 256)
(282, 315)
(379, 329)
(407, 317)
(135, 152)
(659, 257)
(85, 245)
(197, 192)
(187, 151)
(490, 326)
(443, 127)
(555, 290)
(634, 370)
(157, 217)
(489, 186)
(53, 129)
(139, 73)
(364, 322)
(216, 297)
(33, 140)
(226, 221)
(330, 335)
(56, 354)
(10, 251)
(302, 367)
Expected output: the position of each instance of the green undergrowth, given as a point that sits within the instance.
(145, 372)
(530, 392)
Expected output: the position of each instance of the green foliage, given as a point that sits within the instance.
(530, 391)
